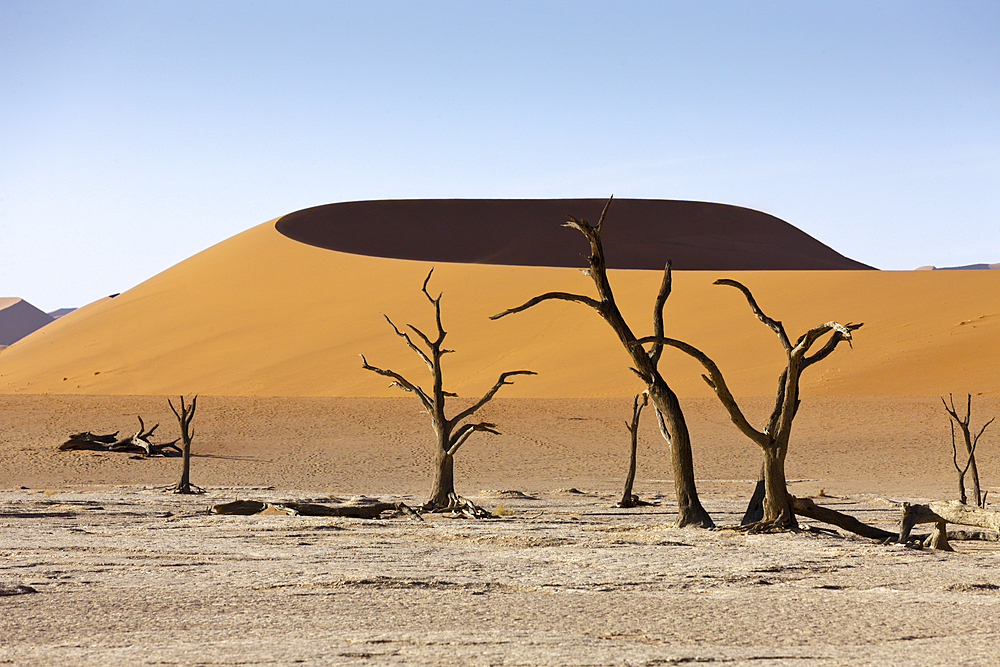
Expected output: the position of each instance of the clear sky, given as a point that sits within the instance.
(134, 134)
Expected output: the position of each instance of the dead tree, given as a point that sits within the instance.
(668, 410)
(970, 449)
(184, 418)
(628, 499)
(451, 432)
(777, 511)
(139, 442)
(941, 513)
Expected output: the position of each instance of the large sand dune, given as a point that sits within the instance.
(262, 314)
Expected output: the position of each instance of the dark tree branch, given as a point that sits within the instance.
(399, 381)
(807, 339)
(831, 345)
(661, 300)
(409, 343)
(562, 296)
(464, 431)
(488, 396)
(774, 325)
(716, 381)
(437, 310)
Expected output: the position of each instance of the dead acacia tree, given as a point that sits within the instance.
(668, 410)
(451, 432)
(970, 449)
(184, 417)
(628, 499)
(777, 509)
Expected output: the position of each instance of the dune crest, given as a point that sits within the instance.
(645, 233)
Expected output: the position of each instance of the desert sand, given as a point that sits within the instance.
(99, 565)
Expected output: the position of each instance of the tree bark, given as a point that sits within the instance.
(807, 508)
(777, 501)
(443, 486)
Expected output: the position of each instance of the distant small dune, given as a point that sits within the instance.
(18, 318)
(967, 267)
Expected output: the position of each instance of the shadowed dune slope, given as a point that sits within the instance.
(262, 314)
(697, 236)
(18, 318)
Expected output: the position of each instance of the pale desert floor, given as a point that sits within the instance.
(98, 566)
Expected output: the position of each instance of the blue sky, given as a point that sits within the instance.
(135, 134)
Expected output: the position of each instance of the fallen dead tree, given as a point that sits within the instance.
(941, 513)
(807, 508)
(938, 512)
(137, 443)
(369, 511)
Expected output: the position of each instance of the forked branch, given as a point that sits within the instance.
(488, 396)
(398, 381)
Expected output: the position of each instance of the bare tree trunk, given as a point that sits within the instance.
(970, 450)
(668, 410)
(777, 501)
(184, 417)
(689, 509)
(443, 487)
(628, 499)
(755, 507)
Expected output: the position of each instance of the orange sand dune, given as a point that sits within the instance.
(262, 314)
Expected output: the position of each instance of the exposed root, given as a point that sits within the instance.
(784, 523)
(458, 506)
(634, 501)
(184, 489)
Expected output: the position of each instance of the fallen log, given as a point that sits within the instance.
(942, 512)
(89, 441)
(370, 511)
(938, 539)
(807, 508)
